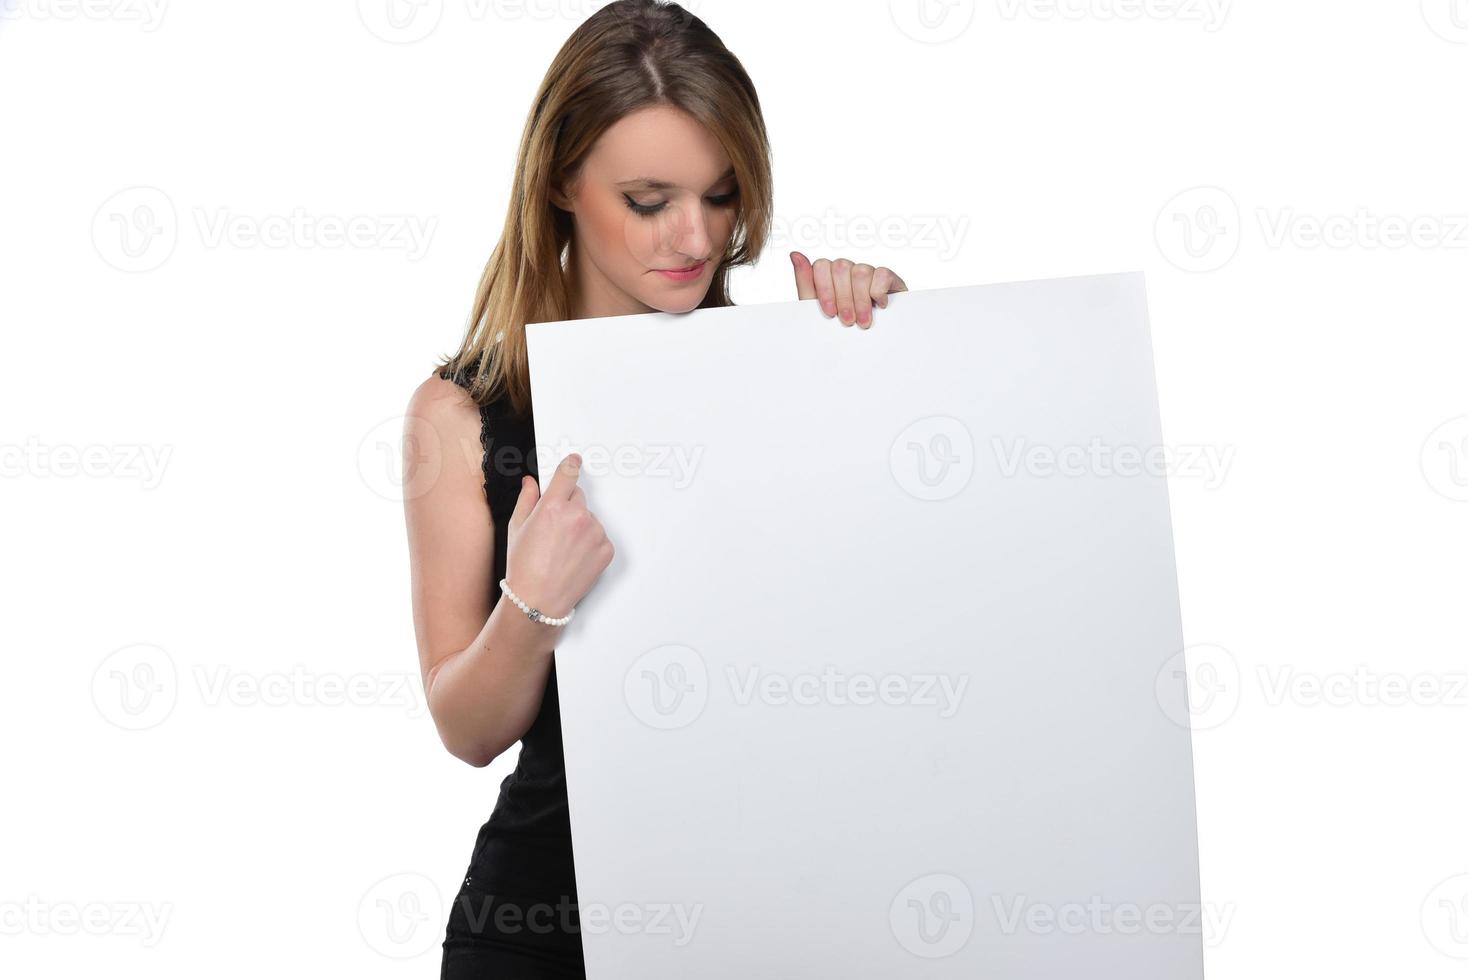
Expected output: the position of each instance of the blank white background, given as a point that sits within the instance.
(233, 388)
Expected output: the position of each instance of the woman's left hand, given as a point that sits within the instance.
(846, 289)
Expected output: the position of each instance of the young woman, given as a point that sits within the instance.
(643, 177)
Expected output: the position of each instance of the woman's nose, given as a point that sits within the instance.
(691, 234)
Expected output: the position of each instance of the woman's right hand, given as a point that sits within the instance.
(557, 548)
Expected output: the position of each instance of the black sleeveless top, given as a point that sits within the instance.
(523, 851)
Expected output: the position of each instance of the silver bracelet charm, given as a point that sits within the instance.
(535, 614)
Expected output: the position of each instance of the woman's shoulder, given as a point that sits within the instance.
(445, 429)
(447, 408)
(496, 405)
(443, 394)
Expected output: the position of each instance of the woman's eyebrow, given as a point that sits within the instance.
(656, 184)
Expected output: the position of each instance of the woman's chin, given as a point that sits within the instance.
(684, 303)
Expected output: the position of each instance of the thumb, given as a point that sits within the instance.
(805, 277)
(529, 494)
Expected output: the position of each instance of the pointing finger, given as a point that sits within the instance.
(564, 480)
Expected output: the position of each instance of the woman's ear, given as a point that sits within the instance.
(560, 200)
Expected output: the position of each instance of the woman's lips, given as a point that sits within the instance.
(685, 274)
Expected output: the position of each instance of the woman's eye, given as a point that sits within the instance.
(718, 200)
(644, 209)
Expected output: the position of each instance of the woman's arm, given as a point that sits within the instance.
(484, 667)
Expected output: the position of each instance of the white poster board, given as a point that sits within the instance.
(884, 678)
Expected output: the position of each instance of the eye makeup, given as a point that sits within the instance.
(647, 210)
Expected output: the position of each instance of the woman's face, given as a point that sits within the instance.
(655, 195)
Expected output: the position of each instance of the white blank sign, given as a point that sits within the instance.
(885, 678)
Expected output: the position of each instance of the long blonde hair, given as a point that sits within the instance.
(629, 55)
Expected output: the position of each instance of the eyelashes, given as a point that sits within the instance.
(648, 210)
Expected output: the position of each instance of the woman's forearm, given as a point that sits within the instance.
(485, 697)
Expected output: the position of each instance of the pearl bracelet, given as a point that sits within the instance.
(535, 614)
